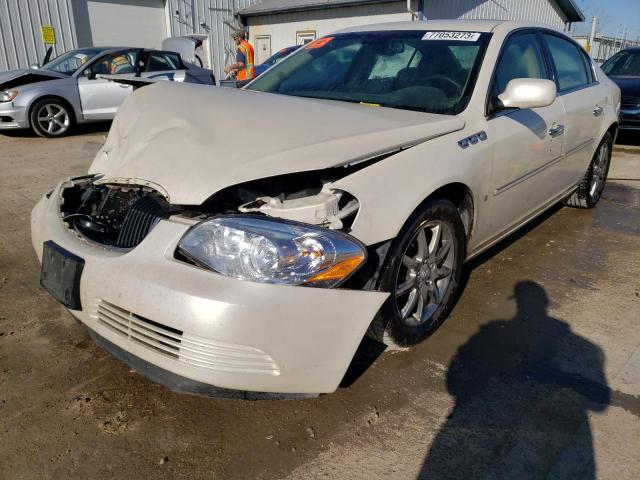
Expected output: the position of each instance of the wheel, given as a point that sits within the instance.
(592, 184)
(51, 118)
(422, 273)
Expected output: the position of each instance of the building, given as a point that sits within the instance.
(274, 24)
(604, 47)
(136, 23)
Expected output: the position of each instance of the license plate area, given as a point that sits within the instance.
(60, 274)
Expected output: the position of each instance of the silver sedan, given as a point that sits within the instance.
(70, 89)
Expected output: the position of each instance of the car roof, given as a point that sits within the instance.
(98, 49)
(452, 25)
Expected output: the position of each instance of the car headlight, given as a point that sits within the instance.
(267, 250)
(8, 96)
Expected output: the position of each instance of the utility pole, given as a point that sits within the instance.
(594, 22)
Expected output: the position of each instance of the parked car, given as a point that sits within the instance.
(378, 160)
(275, 58)
(70, 89)
(624, 69)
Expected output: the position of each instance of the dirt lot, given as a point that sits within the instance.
(535, 375)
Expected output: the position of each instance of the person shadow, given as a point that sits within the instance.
(523, 388)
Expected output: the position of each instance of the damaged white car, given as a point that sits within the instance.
(340, 197)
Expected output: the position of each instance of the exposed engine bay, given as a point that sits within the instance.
(110, 214)
(121, 215)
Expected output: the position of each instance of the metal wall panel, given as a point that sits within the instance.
(542, 11)
(20, 22)
(208, 17)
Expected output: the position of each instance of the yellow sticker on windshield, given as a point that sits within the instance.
(458, 36)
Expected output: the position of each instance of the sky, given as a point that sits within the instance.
(613, 17)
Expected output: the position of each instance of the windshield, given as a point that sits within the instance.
(69, 62)
(414, 70)
(623, 64)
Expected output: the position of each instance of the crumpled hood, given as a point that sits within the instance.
(12, 77)
(192, 141)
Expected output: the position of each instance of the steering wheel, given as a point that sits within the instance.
(445, 80)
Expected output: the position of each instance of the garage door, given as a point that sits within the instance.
(126, 23)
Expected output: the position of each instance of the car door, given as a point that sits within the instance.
(528, 142)
(583, 99)
(101, 98)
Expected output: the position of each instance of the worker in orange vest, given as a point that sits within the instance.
(243, 67)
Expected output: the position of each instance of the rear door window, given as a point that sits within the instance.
(162, 61)
(570, 66)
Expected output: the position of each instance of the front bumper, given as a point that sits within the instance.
(12, 117)
(630, 119)
(205, 327)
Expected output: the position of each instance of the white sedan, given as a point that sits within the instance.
(340, 197)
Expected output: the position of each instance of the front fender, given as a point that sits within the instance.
(389, 191)
(66, 89)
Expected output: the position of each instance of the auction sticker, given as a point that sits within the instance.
(459, 36)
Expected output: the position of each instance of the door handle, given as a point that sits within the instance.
(123, 85)
(598, 111)
(556, 130)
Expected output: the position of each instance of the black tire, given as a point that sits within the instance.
(51, 118)
(390, 325)
(588, 194)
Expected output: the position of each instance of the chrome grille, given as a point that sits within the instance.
(184, 348)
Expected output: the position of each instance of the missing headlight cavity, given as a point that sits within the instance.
(303, 197)
(114, 215)
(326, 208)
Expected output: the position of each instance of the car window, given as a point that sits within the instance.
(410, 70)
(69, 62)
(570, 66)
(315, 77)
(159, 61)
(521, 58)
(280, 55)
(115, 63)
(388, 66)
(623, 64)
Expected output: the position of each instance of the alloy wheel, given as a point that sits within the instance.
(425, 273)
(53, 119)
(599, 172)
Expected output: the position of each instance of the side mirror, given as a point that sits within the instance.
(89, 74)
(528, 93)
